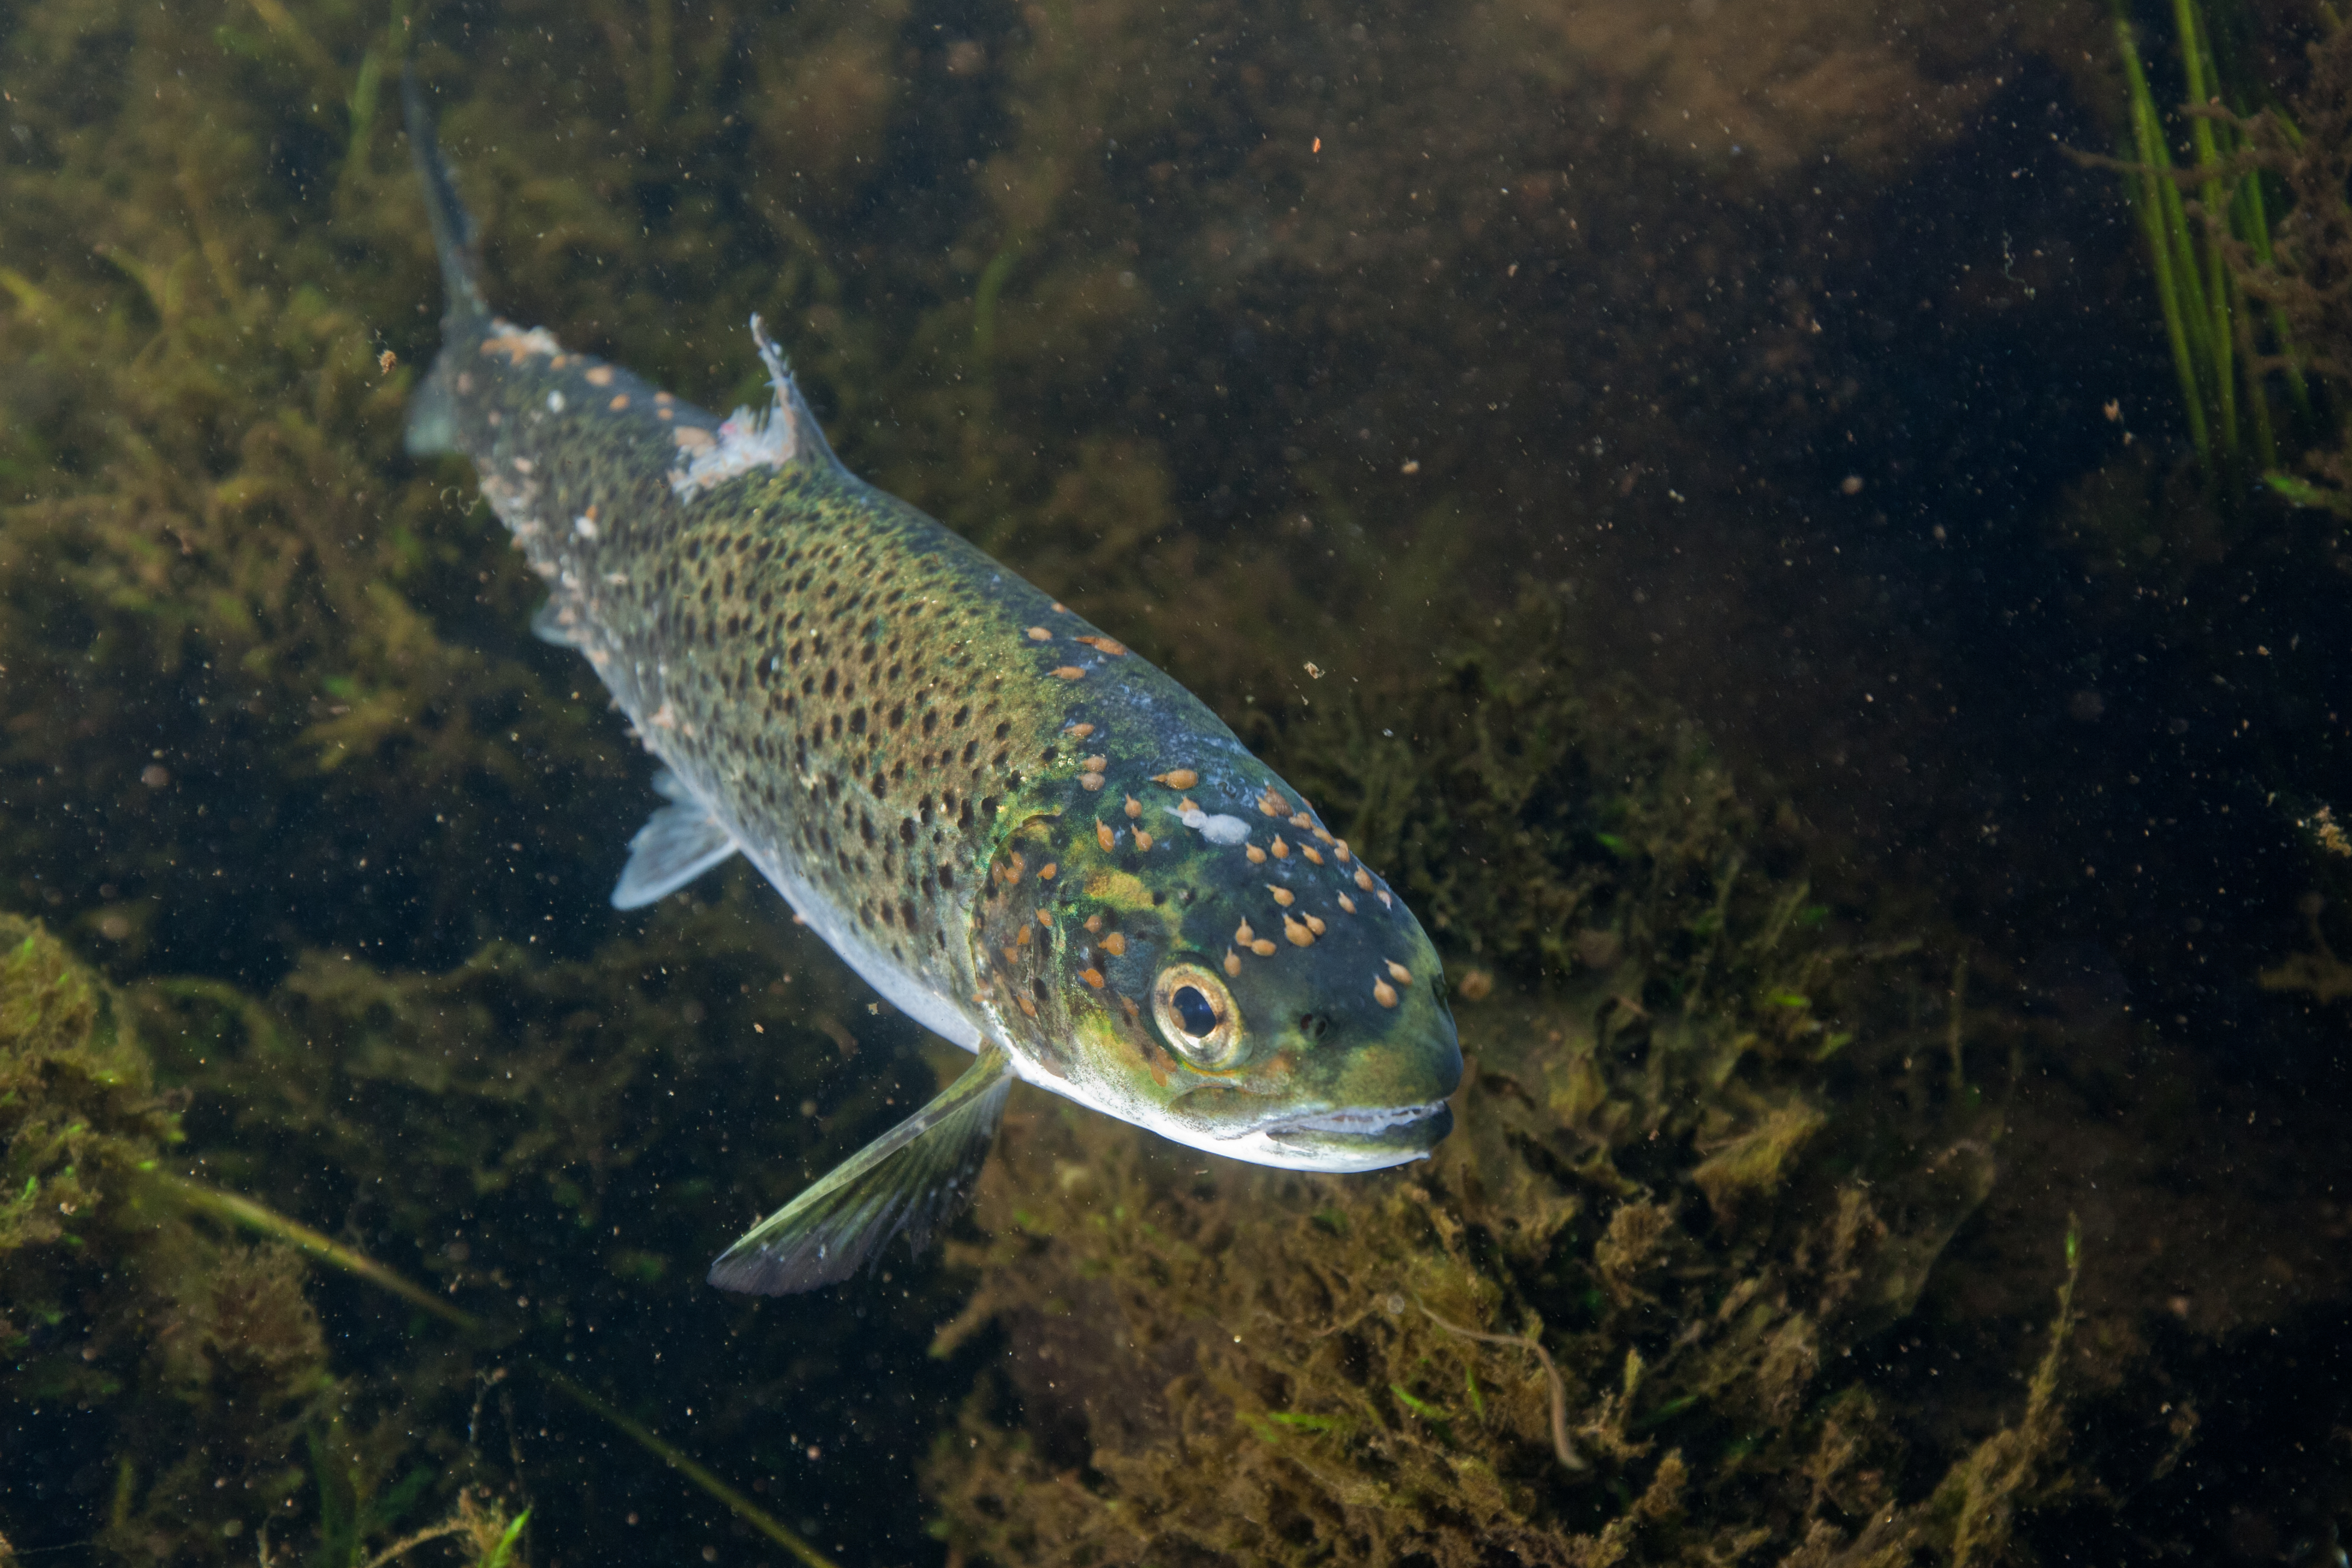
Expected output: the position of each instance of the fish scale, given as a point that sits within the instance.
(1024, 834)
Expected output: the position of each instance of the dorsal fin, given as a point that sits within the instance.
(811, 446)
(784, 435)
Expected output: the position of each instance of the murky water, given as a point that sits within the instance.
(1709, 499)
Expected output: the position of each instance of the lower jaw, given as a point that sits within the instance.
(1414, 1133)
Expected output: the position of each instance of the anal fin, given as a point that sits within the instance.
(677, 843)
(914, 1178)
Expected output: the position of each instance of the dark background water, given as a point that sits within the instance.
(1262, 335)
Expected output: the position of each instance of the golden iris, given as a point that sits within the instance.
(1196, 1016)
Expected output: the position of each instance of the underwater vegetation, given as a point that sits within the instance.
(199, 1352)
(2304, 276)
(2209, 322)
(1790, 84)
(2247, 318)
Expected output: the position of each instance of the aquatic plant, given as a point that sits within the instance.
(104, 1304)
(196, 1362)
(2305, 275)
(2204, 225)
(125, 1291)
(1788, 84)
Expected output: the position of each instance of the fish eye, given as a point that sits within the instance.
(1196, 1016)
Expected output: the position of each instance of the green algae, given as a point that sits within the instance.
(203, 1358)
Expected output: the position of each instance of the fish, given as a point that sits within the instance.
(1018, 831)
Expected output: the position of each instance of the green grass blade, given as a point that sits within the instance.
(243, 1211)
(502, 1554)
(2149, 188)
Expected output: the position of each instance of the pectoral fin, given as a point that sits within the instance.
(914, 1178)
(677, 843)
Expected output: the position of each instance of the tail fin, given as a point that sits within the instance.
(453, 228)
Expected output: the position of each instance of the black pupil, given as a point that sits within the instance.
(1194, 1010)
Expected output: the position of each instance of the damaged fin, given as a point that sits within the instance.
(677, 843)
(777, 436)
(914, 1178)
(547, 621)
(809, 436)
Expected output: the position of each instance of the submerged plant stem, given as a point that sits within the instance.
(408, 1543)
(1569, 1457)
(244, 1210)
(744, 1508)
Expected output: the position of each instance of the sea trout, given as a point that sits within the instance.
(1020, 833)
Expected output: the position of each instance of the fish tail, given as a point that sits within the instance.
(453, 226)
(465, 314)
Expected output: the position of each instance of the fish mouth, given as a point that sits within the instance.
(1375, 1134)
